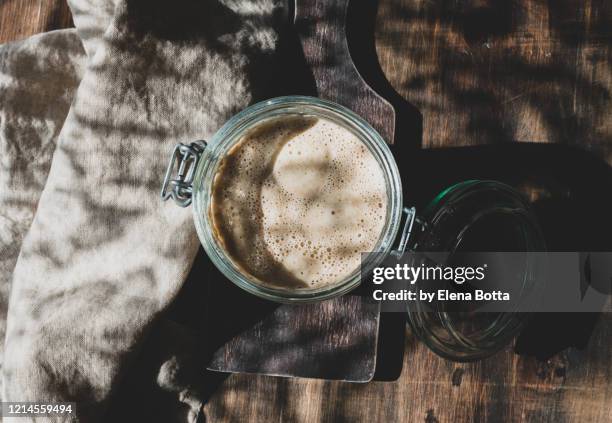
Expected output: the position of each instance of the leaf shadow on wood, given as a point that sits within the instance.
(561, 182)
(559, 179)
(497, 71)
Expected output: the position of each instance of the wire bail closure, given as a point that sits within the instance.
(184, 162)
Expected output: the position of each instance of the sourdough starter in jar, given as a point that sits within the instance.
(297, 200)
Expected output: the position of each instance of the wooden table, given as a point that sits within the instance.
(470, 73)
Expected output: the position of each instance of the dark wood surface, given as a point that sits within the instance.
(321, 27)
(473, 73)
(22, 18)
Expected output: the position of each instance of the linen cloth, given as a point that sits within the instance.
(103, 257)
(38, 79)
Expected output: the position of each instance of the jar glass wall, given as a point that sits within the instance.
(475, 216)
(231, 133)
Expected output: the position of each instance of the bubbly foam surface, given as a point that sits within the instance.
(296, 201)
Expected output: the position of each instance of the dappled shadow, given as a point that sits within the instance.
(425, 173)
(39, 77)
(559, 180)
(241, 333)
(563, 183)
(245, 333)
(548, 174)
(104, 257)
(499, 71)
(361, 20)
(237, 195)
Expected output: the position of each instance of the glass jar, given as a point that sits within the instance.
(476, 216)
(197, 164)
(442, 226)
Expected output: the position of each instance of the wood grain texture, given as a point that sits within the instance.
(334, 339)
(21, 18)
(321, 27)
(572, 387)
(498, 71)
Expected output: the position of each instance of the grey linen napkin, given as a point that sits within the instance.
(92, 18)
(38, 79)
(103, 257)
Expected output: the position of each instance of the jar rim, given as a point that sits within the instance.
(231, 132)
(507, 325)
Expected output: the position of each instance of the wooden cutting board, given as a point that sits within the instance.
(333, 339)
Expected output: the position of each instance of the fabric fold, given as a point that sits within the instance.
(104, 257)
(92, 18)
(38, 79)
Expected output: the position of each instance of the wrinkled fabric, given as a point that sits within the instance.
(91, 19)
(38, 79)
(103, 257)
